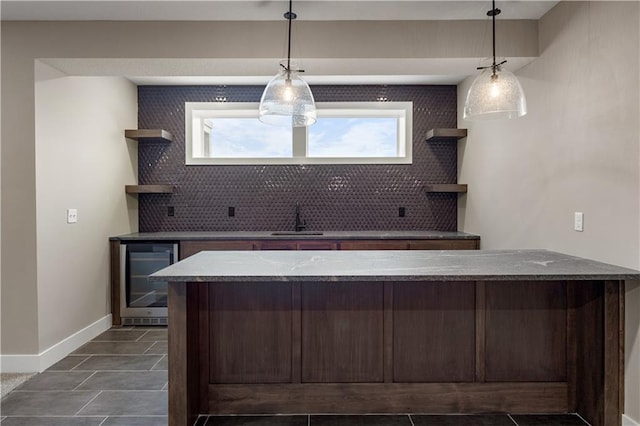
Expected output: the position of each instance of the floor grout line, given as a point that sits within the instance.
(411, 420)
(103, 420)
(92, 399)
(149, 348)
(153, 366)
(143, 334)
(80, 363)
(582, 418)
(512, 419)
(81, 383)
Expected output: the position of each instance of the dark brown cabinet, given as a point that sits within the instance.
(189, 247)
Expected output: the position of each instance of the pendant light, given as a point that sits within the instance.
(496, 92)
(287, 100)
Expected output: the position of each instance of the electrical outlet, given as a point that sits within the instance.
(72, 215)
(232, 211)
(171, 211)
(401, 212)
(578, 221)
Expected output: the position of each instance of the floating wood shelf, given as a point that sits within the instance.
(460, 188)
(141, 135)
(446, 134)
(148, 189)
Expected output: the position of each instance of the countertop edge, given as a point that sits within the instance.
(398, 278)
(267, 235)
(391, 265)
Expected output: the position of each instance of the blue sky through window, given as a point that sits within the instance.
(353, 137)
(248, 137)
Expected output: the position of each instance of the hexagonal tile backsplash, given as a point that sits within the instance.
(331, 197)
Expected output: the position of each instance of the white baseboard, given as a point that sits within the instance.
(29, 363)
(626, 421)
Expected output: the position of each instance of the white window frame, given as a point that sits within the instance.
(195, 112)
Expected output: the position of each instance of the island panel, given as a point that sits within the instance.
(434, 332)
(250, 332)
(388, 398)
(342, 333)
(589, 304)
(526, 331)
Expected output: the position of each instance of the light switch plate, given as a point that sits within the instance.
(578, 221)
(72, 215)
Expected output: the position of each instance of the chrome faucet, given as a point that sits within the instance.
(301, 225)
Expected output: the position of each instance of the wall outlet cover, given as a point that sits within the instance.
(72, 215)
(578, 221)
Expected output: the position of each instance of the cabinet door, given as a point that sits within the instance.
(374, 245)
(189, 248)
(443, 245)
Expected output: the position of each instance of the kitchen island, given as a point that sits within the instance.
(518, 331)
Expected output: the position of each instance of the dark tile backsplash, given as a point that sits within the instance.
(331, 197)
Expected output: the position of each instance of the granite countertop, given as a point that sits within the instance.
(268, 235)
(401, 265)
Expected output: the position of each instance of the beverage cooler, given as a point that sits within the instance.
(144, 302)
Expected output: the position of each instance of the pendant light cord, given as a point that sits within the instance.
(290, 16)
(493, 12)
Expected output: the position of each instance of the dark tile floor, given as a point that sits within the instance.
(117, 379)
(120, 379)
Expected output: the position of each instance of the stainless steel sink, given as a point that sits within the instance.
(297, 233)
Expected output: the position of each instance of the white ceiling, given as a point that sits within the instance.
(235, 10)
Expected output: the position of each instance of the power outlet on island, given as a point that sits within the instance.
(72, 215)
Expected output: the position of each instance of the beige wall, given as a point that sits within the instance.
(83, 162)
(578, 149)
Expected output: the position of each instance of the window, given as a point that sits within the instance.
(345, 133)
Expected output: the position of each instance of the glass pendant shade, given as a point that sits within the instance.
(495, 95)
(287, 101)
